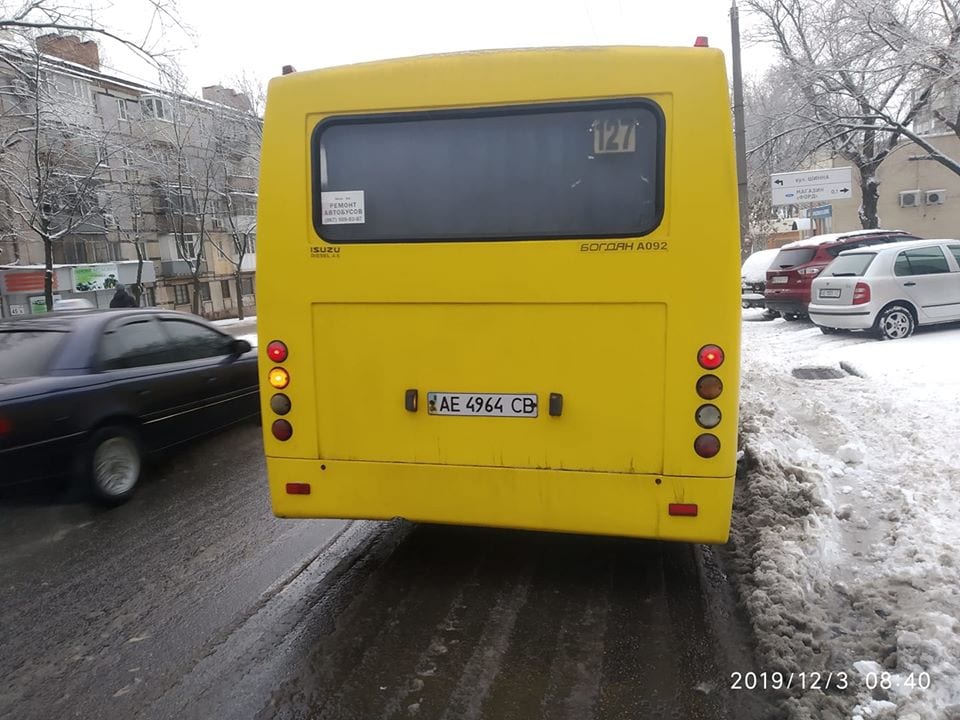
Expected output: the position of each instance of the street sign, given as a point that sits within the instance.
(808, 186)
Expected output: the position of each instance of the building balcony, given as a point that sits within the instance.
(179, 268)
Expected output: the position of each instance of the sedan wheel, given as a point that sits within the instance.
(114, 465)
(895, 323)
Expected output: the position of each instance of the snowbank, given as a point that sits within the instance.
(846, 539)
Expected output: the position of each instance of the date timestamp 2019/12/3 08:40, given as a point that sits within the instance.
(824, 680)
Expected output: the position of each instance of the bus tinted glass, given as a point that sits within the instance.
(571, 171)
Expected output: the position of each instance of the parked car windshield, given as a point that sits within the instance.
(793, 257)
(24, 353)
(850, 265)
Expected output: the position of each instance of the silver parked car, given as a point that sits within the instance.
(889, 289)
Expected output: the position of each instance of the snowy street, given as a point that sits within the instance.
(847, 527)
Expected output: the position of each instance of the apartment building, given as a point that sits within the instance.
(114, 181)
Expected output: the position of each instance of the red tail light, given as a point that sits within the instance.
(298, 488)
(861, 293)
(710, 357)
(282, 430)
(683, 509)
(276, 351)
(5, 426)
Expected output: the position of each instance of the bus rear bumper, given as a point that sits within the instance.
(548, 500)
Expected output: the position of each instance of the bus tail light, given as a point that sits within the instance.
(683, 509)
(279, 378)
(709, 387)
(706, 445)
(710, 357)
(281, 429)
(277, 351)
(861, 293)
(298, 488)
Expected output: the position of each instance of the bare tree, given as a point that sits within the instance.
(849, 61)
(52, 156)
(239, 135)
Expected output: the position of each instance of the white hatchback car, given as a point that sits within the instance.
(889, 289)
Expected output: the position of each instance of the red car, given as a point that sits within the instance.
(798, 263)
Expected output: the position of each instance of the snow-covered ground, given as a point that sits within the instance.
(846, 538)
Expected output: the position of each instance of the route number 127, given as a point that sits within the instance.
(614, 136)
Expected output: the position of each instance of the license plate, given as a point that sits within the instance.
(482, 404)
(779, 279)
(830, 293)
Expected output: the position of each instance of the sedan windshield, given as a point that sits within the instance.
(850, 265)
(27, 352)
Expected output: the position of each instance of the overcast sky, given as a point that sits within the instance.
(259, 38)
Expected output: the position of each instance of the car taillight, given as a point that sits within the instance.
(276, 351)
(710, 357)
(861, 293)
(6, 427)
(811, 271)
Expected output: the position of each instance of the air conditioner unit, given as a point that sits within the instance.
(909, 198)
(934, 197)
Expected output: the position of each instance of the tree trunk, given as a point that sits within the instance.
(870, 192)
(236, 278)
(48, 264)
(138, 287)
(196, 294)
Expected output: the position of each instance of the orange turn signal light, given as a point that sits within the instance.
(279, 378)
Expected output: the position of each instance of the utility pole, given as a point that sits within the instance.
(738, 131)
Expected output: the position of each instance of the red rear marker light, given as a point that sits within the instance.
(281, 429)
(706, 445)
(710, 357)
(701, 41)
(683, 509)
(5, 426)
(298, 488)
(861, 293)
(277, 351)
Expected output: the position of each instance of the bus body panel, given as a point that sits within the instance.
(374, 352)
(657, 299)
(582, 502)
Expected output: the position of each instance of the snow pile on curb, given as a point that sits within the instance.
(846, 539)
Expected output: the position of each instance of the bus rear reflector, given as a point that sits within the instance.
(709, 387)
(682, 509)
(298, 488)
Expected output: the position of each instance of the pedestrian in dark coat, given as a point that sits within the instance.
(121, 298)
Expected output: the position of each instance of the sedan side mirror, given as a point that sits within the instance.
(239, 346)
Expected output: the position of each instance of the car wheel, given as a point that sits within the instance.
(830, 330)
(113, 464)
(790, 317)
(895, 323)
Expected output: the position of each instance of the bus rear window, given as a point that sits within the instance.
(577, 170)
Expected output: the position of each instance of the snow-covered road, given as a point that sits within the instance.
(846, 541)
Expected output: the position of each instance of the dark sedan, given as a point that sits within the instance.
(90, 393)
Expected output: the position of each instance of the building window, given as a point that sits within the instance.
(225, 289)
(129, 166)
(205, 291)
(246, 285)
(181, 295)
(122, 109)
(80, 90)
(188, 245)
(148, 298)
(156, 108)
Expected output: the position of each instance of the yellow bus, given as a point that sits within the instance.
(502, 288)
